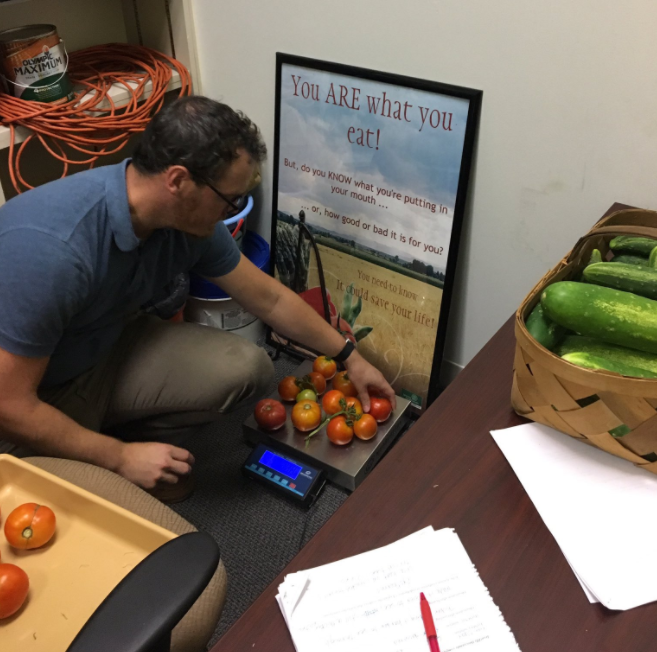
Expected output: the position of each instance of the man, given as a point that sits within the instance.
(79, 365)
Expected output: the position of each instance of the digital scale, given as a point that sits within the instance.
(345, 466)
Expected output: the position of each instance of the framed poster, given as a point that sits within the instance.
(370, 180)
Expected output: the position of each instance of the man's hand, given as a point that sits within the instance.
(365, 377)
(146, 464)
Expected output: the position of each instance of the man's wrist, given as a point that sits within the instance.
(346, 351)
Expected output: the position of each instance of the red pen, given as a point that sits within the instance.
(429, 627)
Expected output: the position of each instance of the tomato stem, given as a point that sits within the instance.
(322, 425)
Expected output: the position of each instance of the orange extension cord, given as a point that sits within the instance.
(93, 131)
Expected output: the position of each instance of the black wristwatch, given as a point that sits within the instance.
(345, 353)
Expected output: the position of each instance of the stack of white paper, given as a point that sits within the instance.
(601, 510)
(372, 601)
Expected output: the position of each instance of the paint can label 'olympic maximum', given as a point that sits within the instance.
(34, 63)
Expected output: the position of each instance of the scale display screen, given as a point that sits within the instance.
(289, 476)
(280, 464)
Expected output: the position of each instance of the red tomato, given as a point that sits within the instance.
(352, 401)
(318, 381)
(380, 408)
(14, 585)
(339, 431)
(325, 366)
(365, 428)
(30, 526)
(270, 414)
(288, 388)
(331, 401)
(342, 383)
(306, 415)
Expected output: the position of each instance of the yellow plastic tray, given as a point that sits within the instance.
(95, 545)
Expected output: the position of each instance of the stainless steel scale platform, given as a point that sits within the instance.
(346, 466)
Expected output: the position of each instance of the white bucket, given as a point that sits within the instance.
(225, 314)
(210, 306)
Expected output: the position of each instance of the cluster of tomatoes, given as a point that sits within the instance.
(344, 412)
(29, 526)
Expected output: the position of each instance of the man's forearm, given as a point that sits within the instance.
(292, 317)
(48, 431)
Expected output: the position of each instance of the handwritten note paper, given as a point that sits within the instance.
(372, 601)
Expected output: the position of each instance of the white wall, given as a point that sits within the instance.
(568, 124)
(80, 23)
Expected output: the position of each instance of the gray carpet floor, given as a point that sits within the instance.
(258, 532)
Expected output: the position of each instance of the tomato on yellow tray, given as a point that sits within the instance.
(30, 526)
(306, 415)
(14, 585)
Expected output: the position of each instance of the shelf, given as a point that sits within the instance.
(119, 94)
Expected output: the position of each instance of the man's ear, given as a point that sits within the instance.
(177, 179)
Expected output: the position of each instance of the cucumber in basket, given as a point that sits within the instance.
(610, 315)
(596, 362)
(544, 330)
(612, 352)
(631, 278)
(630, 259)
(596, 257)
(632, 244)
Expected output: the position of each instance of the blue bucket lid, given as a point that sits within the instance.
(255, 249)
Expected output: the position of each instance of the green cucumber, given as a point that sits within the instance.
(589, 361)
(610, 315)
(621, 354)
(544, 330)
(652, 259)
(596, 257)
(631, 278)
(630, 259)
(633, 244)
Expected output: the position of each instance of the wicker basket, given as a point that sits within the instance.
(584, 403)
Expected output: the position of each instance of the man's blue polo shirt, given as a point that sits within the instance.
(73, 272)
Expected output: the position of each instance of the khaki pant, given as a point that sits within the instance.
(160, 379)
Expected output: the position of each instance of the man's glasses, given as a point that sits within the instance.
(219, 194)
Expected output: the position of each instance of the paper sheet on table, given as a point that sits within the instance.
(371, 601)
(599, 508)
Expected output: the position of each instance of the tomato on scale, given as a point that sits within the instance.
(270, 414)
(366, 427)
(318, 381)
(380, 408)
(325, 366)
(340, 431)
(306, 415)
(343, 384)
(288, 388)
(332, 401)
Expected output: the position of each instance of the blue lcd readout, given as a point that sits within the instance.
(280, 464)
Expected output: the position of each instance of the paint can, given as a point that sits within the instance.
(34, 64)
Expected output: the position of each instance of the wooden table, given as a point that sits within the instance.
(448, 472)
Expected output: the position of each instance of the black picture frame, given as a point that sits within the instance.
(474, 99)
